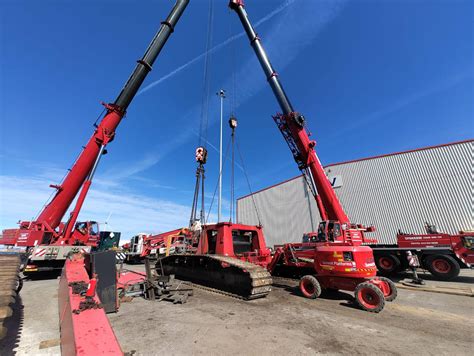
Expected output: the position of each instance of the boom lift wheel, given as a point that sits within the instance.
(310, 287)
(392, 295)
(442, 266)
(369, 297)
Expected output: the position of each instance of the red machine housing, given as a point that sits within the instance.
(244, 242)
(180, 239)
(84, 233)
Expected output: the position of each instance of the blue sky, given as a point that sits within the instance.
(371, 77)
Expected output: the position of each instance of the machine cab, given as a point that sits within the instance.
(235, 240)
(86, 232)
(310, 237)
(329, 231)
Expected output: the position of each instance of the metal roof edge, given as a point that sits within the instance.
(358, 160)
(399, 152)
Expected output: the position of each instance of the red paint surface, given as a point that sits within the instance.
(87, 333)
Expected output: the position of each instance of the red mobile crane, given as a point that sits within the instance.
(48, 239)
(337, 260)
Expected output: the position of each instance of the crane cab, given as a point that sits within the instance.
(333, 231)
(86, 233)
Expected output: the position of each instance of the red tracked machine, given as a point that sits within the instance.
(230, 258)
(338, 260)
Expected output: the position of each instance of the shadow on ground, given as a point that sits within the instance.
(427, 276)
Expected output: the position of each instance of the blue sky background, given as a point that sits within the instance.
(371, 77)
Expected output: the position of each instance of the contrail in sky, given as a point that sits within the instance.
(216, 47)
(283, 43)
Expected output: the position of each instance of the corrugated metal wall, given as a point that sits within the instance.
(399, 191)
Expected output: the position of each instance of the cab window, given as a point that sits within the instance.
(306, 238)
(322, 232)
(242, 241)
(81, 227)
(211, 241)
(94, 230)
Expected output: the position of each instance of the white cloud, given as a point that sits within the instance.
(22, 198)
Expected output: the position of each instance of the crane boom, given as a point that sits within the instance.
(105, 131)
(47, 228)
(292, 126)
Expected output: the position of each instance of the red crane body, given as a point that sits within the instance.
(47, 229)
(67, 191)
(337, 260)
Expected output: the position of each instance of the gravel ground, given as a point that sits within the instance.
(283, 323)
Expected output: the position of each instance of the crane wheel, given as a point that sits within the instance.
(369, 297)
(443, 267)
(310, 287)
(392, 295)
(387, 264)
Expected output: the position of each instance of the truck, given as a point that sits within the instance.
(442, 254)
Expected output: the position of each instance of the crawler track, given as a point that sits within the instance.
(220, 274)
(10, 285)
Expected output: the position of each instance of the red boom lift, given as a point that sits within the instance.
(48, 239)
(338, 260)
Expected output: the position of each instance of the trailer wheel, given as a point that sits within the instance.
(310, 287)
(392, 295)
(443, 267)
(387, 264)
(369, 297)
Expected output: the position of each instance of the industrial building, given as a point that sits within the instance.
(399, 191)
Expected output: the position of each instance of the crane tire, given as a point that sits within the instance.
(387, 264)
(310, 287)
(443, 267)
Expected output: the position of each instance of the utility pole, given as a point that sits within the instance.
(221, 93)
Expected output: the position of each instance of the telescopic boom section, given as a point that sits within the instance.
(85, 165)
(291, 124)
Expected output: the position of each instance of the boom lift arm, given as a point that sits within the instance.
(85, 166)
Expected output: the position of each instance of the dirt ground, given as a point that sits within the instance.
(417, 322)
(285, 323)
